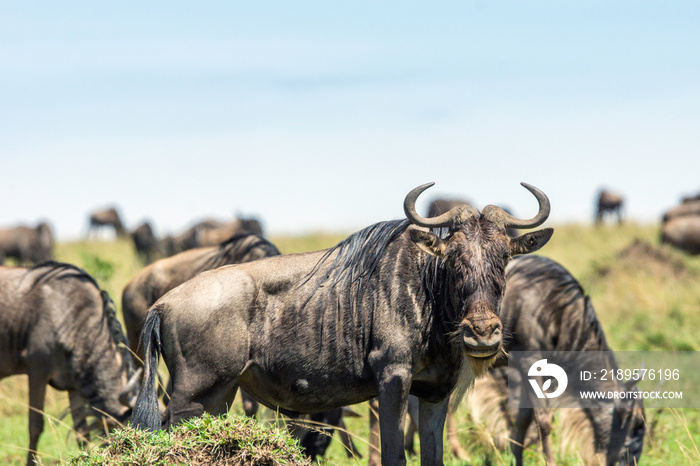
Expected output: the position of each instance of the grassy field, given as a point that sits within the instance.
(647, 298)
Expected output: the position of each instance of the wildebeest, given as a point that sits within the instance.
(691, 198)
(686, 208)
(545, 308)
(188, 239)
(145, 242)
(209, 233)
(608, 203)
(683, 233)
(165, 274)
(57, 327)
(441, 205)
(27, 245)
(214, 236)
(162, 276)
(108, 217)
(392, 310)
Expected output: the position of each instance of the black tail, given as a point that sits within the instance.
(146, 412)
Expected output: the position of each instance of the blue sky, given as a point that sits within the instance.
(323, 115)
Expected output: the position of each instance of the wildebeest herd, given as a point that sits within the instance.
(410, 312)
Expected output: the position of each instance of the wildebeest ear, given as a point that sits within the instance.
(428, 242)
(530, 242)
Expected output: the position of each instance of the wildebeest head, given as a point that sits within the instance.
(475, 252)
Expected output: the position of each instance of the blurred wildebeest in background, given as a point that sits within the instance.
(686, 208)
(57, 327)
(546, 309)
(187, 239)
(692, 198)
(441, 205)
(683, 233)
(27, 245)
(145, 242)
(680, 226)
(209, 233)
(214, 236)
(109, 218)
(392, 310)
(608, 203)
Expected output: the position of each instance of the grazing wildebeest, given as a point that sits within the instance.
(214, 236)
(546, 309)
(610, 203)
(686, 208)
(145, 242)
(165, 274)
(108, 217)
(57, 327)
(26, 244)
(209, 233)
(392, 310)
(188, 239)
(683, 233)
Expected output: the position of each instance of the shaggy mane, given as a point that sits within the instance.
(357, 258)
(54, 271)
(236, 247)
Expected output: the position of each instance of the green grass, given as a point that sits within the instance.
(647, 297)
(200, 441)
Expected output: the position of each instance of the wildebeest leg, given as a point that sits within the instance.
(78, 411)
(431, 424)
(394, 385)
(517, 439)
(37, 395)
(191, 401)
(225, 403)
(250, 406)
(412, 429)
(544, 424)
(412, 425)
(374, 450)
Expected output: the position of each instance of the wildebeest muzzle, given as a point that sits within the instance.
(482, 335)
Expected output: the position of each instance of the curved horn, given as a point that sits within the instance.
(454, 216)
(498, 215)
